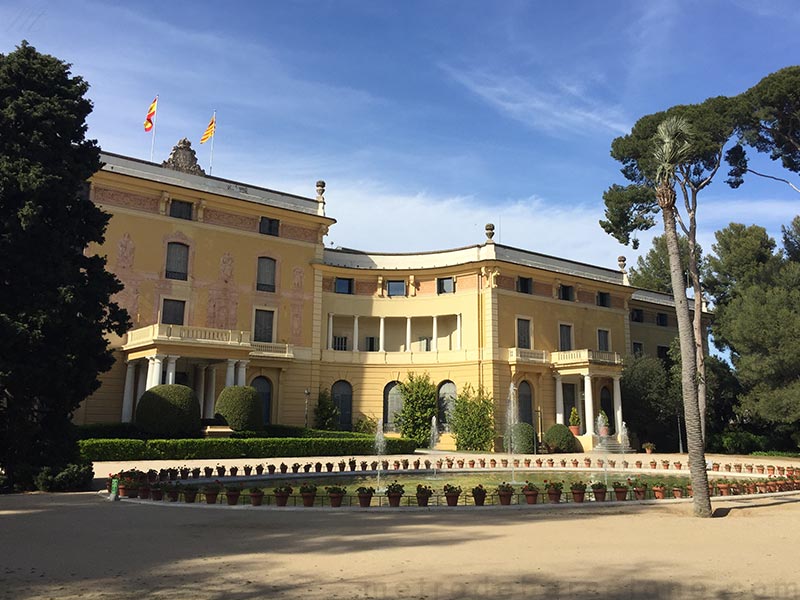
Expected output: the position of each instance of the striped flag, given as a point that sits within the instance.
(151, 115)
(209, 132)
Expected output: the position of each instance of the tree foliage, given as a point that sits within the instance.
(420, 405)
(169, 410)
(472, 420)
(55, 306)
(241, 408)
(326, 415)
(652, 270)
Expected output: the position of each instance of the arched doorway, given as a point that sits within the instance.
(264, 388)
(525, 402)
(607, 405)
(447, 399)
(342, 394)
(392, 404)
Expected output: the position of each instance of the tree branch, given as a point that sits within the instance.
(786, 181)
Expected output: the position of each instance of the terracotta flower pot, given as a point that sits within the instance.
(505, 498)
(575, 429)
(422, 499)
(308, 498)
(479, 499)
(281, 499)
(575, 463)
(587, 462)
(550, 462)
(504, 462)
(394, 499)
(257, 499)
(208, 471)
(620, 494)
(211, 497)
(492, 463)
(531, 496)
(232, 498)
(248, 471)
(471, 464)
(157, 495)
(189, 496)
(284, 468)
(271, 469)
(658, 493)
(452, 499)
(677, 492)
(336, 500)
(364, 500)
(554, 496)
(638, 464)
(599, 495)
(144, 492)
(259, 469)
(724, 489)
(173, 495)
(639, 493)
(578, 495)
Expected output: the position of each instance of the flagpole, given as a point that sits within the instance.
(153, 140)
(213, 135)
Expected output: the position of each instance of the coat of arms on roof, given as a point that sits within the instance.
(183, 159)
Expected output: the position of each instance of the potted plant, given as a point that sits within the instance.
(184, 472)
(724, 487)
(649, 447)
(620, 490)
(365, 494)
(599, 491)
(481, 463)
(211, 491)
(504, 492)
(625, 464)
(232, 493)
(259, 469)
(574, 422)
(715, 466)
(335, 494)
(363, 464)
(318, 467)
(603, 424)
(679, 465)
(256, 495)
(526, 462)
(554, 489)
(248, 470)
(639, 489)
(374, 465)
(309, 493)
(531, 492)
(460, 463)
(157, 491)
(173, 491)
(563, 462)
(271, 469)
(295, 467)
(144, 490)
(471, 463)
(189, 493)
(449, 460)
(283, 468)
(587, 462)
(550, 462)
(329, 467)
(574, 462)
(578, 489)
(220, 470)
(395, 491)
(416, 463)
(538, 462)
(451, 493)
(128, 487)
(677, 492)
(404, 463)
(208, 471)
(196, 473)
(424, 492)
(282, 493)
(342, 465)
(659, 489)
(307, 468)
(638, 464)
(479, 495)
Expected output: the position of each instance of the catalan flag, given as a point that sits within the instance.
(149, 120)
(209, 132)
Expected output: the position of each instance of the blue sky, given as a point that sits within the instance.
(427, 119)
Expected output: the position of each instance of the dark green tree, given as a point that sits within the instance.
(55, 306)
(420, 405)
(649, 407)
(472, 420)
(652, 270)
(791, 240)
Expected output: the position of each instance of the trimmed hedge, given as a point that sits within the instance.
(289, 431)
(560, 439)
(169, 409)
(240, 406)
(523, 437)
(185, 449)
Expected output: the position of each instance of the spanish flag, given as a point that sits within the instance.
(212, 127)
(151, 115)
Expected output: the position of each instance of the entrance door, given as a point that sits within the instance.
(607, 404)
(264, 388)
(525, 401)
(569, 399)
(342, 394)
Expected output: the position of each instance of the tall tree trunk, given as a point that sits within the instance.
(691, 410)
(697, 327)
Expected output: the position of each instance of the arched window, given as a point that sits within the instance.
(447, 400)
(264, 388)
(177, 261)
(342, 394)
(525, 402)
(392, 404)
(607, 405)
(266, 274)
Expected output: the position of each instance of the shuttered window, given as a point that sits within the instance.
(177, 261)
(266, 274)
(263, 326)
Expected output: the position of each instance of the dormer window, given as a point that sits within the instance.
(180, 209)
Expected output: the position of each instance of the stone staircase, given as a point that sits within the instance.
(610, 445)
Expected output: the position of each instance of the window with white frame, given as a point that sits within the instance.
(445, 285)
(396, 287)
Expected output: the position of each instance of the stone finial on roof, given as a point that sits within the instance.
(622, 262)
(183, 158)
(321, 197)
(489, 233)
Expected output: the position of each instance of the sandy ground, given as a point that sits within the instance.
(82, 546)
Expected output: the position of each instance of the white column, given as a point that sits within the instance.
(200, 386)
(154, 370)
(435, 334)
(355, 333)
(381, 335)
(408, 334)
(171, 360)
(559, 400)
(127, 394)
(241, 372)
(141, 385)
(617, 406)
(230, 374)
(588, 403)
(330, 331)
(458, 331)
(211, 392)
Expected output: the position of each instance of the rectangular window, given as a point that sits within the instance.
(425, 344)
(266, 274)
(263, 326)
(637, 315)
(269, 226)
(524, 333)
(177, 266)
(603, 340)
(445, 285)
(371, 343)
(525, 285)
(180, 209)
(172, 312)
(339, 342)
(603, 299)
(396, 288)
(662, 319)
(343, 286)
(564, 337)
(566, 292)
(638, 348)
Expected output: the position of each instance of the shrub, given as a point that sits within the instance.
(523, 439)
(366, 425)
(241, 407)
(73, 478)
(112, 449)
(559, 439)
(326, 415)
(284, 431)
(741, 442)
(169, 410)
(420, 405)
(472, 420)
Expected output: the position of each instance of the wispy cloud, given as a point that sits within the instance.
(555, 108)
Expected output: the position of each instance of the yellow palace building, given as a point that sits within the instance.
(231, 284)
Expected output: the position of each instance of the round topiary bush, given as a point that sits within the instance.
(559, 439)
(169, 411)
(523, 438)
(241, 408)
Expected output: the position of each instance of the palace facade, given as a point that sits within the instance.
(231, 284)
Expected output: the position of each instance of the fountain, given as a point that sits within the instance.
(624, 441)
(434, 439)
(380, 448)
(512, 418)
(602, 432)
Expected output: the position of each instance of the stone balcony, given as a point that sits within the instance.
(583, 357)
